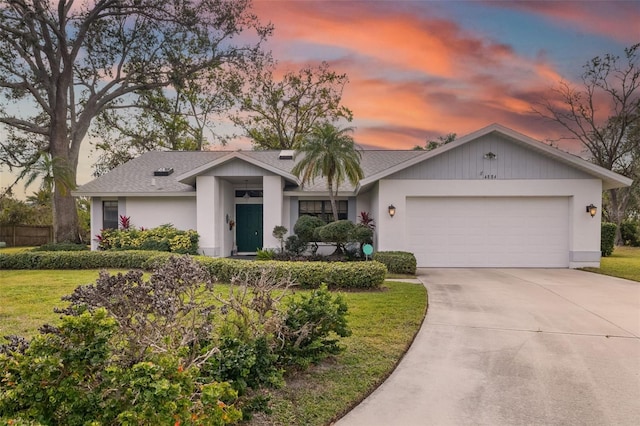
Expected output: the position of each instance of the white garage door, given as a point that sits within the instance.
(489, 231)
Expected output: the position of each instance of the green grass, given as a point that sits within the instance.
(27, 298)
(384, 324)
(623, 263)
(9, 250)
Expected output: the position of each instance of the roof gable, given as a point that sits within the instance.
(609, 178)
(137, 176)
(490, 156)
(236, 157)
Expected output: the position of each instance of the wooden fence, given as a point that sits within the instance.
(26, 235)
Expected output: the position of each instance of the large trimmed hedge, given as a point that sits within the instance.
(346, 275)
(607, 238)
(353, 275)
(397, 262)
(134, 259)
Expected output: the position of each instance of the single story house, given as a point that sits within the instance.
(493, 198)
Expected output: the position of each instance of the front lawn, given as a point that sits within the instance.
(27, 298)
(383, 324)
(9, 250)
(623, 263)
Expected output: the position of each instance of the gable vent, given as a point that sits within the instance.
(163, 171)
(286, 154)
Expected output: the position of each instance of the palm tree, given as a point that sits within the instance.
(329, 152)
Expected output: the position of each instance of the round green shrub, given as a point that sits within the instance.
(397, 262)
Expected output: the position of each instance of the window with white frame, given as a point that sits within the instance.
(322, 209)
(110, 214)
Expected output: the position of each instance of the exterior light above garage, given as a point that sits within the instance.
(592, 210)
(392, 210)
(490, 156)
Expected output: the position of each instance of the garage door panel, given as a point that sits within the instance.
(489, 231)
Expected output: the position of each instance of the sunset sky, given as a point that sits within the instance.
(422, 69)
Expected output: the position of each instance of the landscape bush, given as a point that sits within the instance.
(397, 262)
(62, 247)
(306, 228)
(78, 259)
(295, 245)
(630, 232)
(345, 275)
(312, 322)
(338, 233)
(167, 350)
(608, 238)
(68, 376)
(310, 229)
(163, 238)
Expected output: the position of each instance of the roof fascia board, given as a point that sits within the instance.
(134, 194)
(235, 155)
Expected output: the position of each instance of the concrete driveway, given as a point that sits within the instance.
(517, 347)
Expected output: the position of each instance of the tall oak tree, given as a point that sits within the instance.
(62, 63)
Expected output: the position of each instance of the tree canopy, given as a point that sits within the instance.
(280, 113)
(329, 152)
(603, 113)
(432, 144)
(63, 63)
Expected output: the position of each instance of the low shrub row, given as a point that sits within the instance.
(397, 262)
(76, 259)
(351, 275)
(346, 275)
(62, 247)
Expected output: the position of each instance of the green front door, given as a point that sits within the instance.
(249, 227)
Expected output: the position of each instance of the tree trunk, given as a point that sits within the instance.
(617, 208)
(65, 225)
(332, 199)
(65, 215)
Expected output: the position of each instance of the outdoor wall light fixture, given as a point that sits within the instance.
(490, 156)
(246, 195)
(592, 210)
(392, 210)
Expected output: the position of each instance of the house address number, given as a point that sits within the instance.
(490, 176)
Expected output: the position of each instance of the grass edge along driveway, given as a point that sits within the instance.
(384, 324)
(623, 263)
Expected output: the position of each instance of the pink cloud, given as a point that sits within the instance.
(413, 77)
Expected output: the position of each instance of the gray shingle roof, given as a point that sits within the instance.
(136, 176)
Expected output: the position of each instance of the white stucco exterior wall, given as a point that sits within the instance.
(96, 220)
(150, 212)
(227, 210)
(207, 190)
(584, 238)
(272, 187)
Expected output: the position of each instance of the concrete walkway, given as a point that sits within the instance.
(517, 347)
